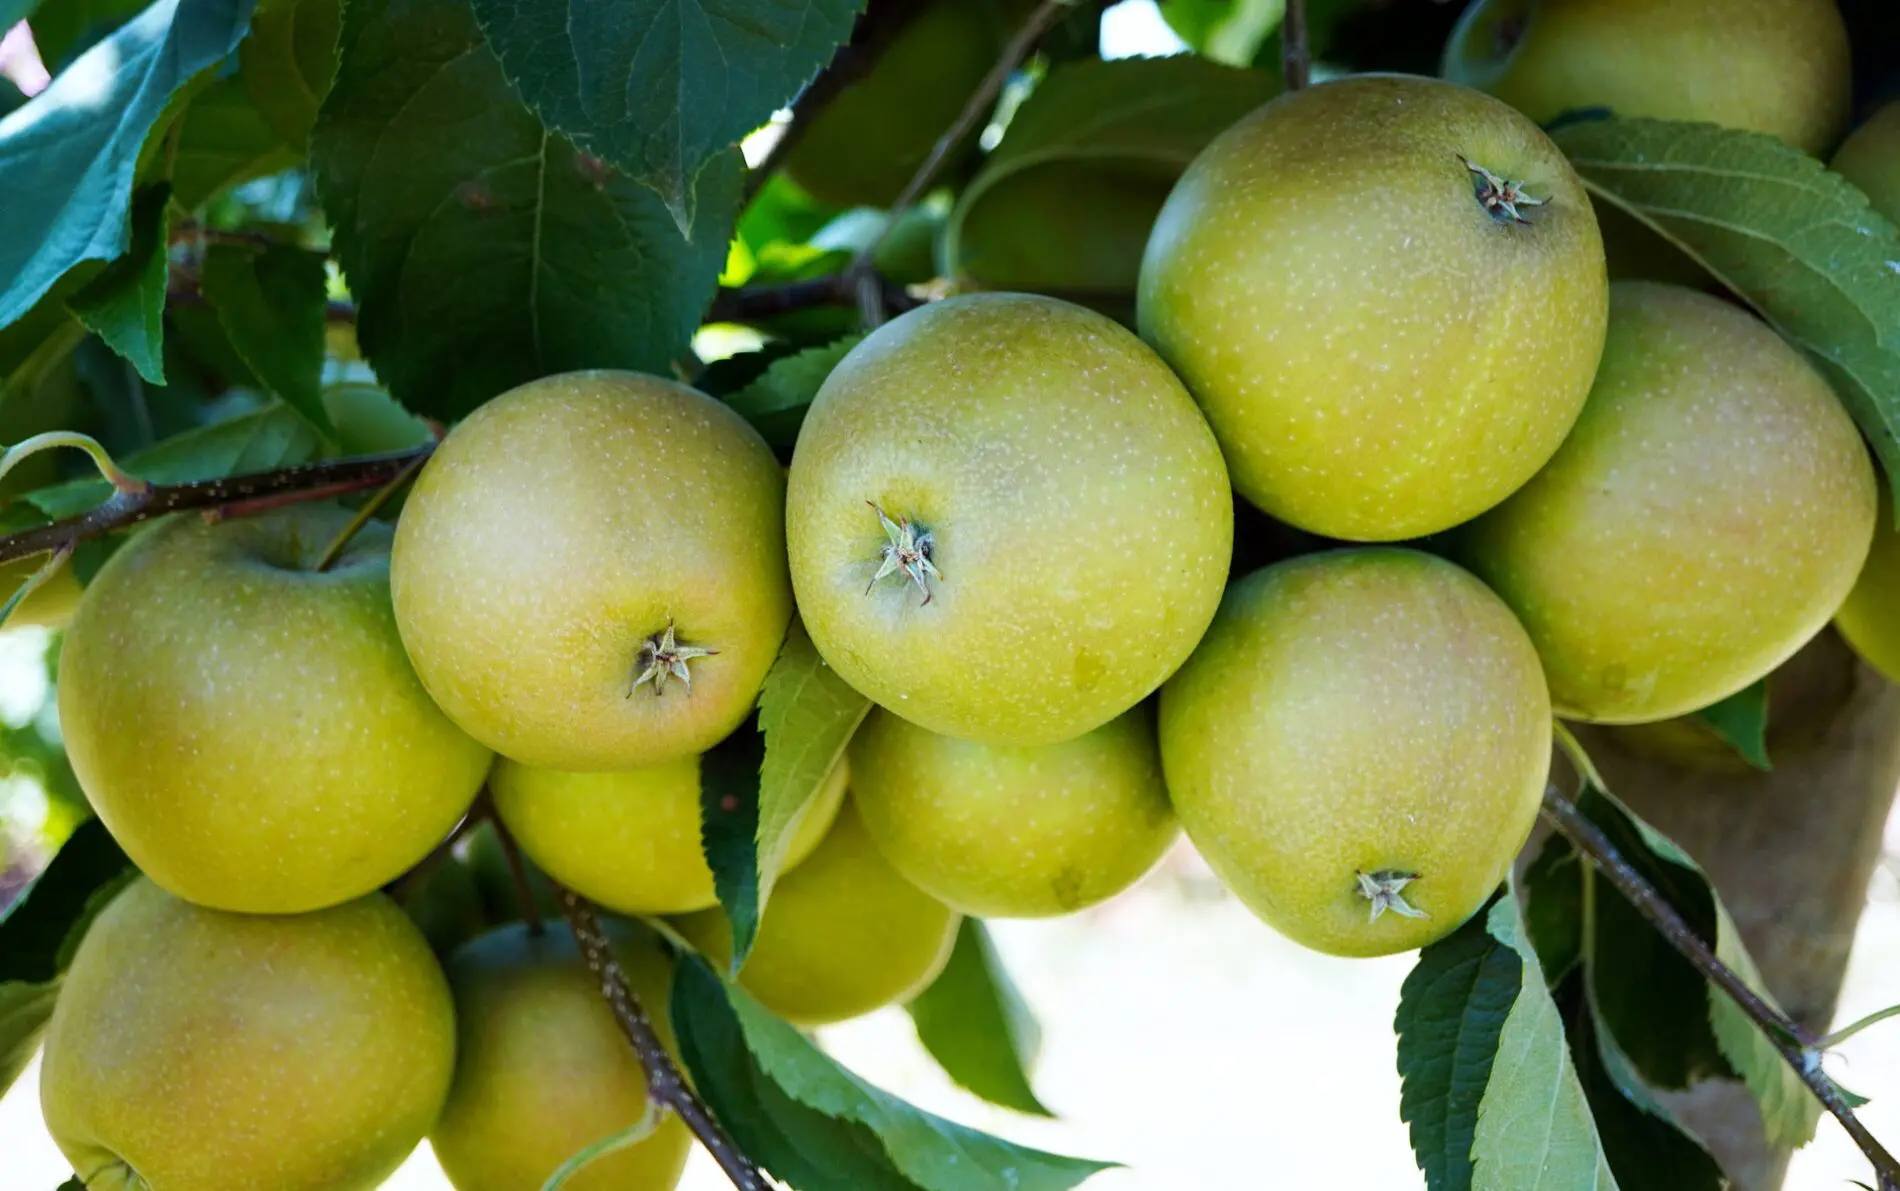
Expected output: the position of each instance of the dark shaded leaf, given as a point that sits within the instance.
(1741, 720)
(224, 142)
(125, 304)
(660, 88)
(1553, 907)
(271, 305)
(484, 251)
(729, 828)
(775, 402)
(80, 139)
(975, 1024)
(289, 61)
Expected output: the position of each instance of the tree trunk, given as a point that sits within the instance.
(1790, 852)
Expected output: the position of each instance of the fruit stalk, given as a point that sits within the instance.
(862, 275)
(250, 493)
(1800, 1052)
(1295, 61)
(510, 852)
(665, 1085)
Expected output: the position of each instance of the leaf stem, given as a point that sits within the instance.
(665, 1084)
(227, 497)
(1796, 1049)
(1845, 1032)
(982, 101)
(1296, 62)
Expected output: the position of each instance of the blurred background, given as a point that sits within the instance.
(1180, 1036)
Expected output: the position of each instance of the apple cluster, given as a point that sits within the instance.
(1377, 311)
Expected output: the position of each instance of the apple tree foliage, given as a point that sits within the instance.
(488, 191)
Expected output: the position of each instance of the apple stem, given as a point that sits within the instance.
(1295, 60)
(665, 1084)
(1798, 1050)
(370, 508)
(862, 275)
(230, 496)
(511, 852)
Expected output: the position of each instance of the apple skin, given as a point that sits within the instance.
(563, 526)
(842, 935)
(1775, 66)
(1079, 511)
(630, 839)
(1706, 518)
(542, 1070)
(1870, 159)
(250, 729)
(1359, 711)
(199, 1050)
(1380, 356)
(1015, 832)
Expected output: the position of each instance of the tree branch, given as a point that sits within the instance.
(765, 301)
(1295, 61)
(1796, 1048)
(863, 273)
(665, 1084)
(231, 496)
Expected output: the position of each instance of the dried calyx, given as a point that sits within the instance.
(1384, 889)
(1501, 198)
(906, 553)
(664, 657)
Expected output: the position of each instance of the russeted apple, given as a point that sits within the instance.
(1007, 520)
(1774, 66)
(542, 1070)
(1707, 517)
(630, 839)
(201, 1050)
(842, 935)
(248, 726)
(1388, 295)
(1359, 747)
(589, 574)
(1015, 832)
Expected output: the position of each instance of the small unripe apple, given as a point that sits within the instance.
(630, 839)
(590, 572)
(1870, 159)
(1359, 747)
(199, 1050)
(1706, 517)
(1774, 66)
(1015, 832)
(1007, 520)
(842, 935)
(1387, 294)
(542, 1070)
(248, 727)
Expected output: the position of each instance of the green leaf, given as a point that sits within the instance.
(819, 1127)
(368, 420)
(72, 1184)
(80, 138)
(1741, 720)
(1647, 1148)
(125, 304)
(39, 931)
(807, 715)
(223, 141)
(271, 304)
(729, 830)
(660, 88)
(975, 1024)
(289, 61)
(775, 402)
(1794, 240)
(64, 28)
(1068, 197)
(1452, 1010)
(1228, 31)
(1534, 1130)
(513, 256)
(1648, 996)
